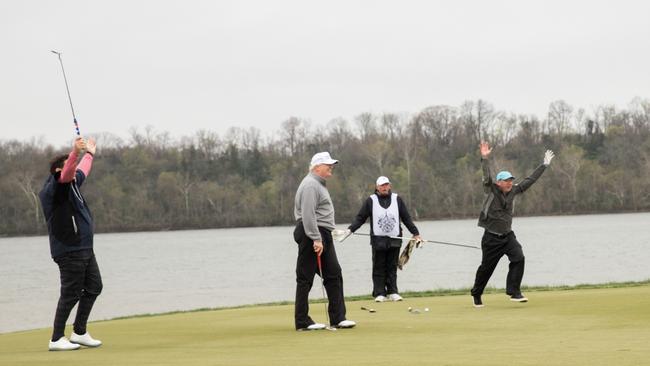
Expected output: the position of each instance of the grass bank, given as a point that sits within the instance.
(591, 325)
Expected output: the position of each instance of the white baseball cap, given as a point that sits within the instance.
(382, 180)
(322, 158)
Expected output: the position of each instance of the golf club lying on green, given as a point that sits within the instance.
(370, 310)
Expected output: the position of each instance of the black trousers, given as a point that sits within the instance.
(80, 282)
(307, 267)
(494, 247)
(384, 271)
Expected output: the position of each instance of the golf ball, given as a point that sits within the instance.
(426, 309)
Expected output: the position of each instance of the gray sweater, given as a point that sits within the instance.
(313, 206)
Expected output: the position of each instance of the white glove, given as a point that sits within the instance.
(548, 156)
(347, 233)
(340, 235)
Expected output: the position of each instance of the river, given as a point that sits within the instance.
(152, 272)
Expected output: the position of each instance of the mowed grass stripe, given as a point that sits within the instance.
(601, 326)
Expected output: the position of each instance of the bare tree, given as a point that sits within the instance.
(560, 114)
(391, 125)
(478, 117)
(569, 162)
(437, 123)
(26, 181)
(294, 133)
(366, 124)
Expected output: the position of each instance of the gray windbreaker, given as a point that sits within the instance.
(313, 206)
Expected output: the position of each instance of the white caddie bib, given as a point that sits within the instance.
(385, 221)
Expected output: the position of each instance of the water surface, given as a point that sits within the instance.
(164, 271)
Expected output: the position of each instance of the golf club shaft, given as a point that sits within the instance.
(428, 241)
(322, 282)
(67, 89)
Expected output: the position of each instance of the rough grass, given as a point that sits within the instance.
(591, 325)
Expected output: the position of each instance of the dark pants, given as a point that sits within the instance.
(80, 282)
(494, 247)
(306, 268)
(384, 271)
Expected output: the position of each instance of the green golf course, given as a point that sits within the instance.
(599, 325)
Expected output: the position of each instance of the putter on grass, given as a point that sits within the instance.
(370, 310)
(322, 283)
(76, 125)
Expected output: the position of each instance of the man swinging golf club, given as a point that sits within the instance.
(386, 210)
(70, 228)
(496, 218)
(314, 213)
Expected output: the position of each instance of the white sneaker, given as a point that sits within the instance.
(316, 326)
(380, 298)
(85, 340)
(63, 344)
(395, 297)
(347, 324)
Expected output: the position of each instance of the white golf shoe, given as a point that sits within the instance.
(395, 297)
(316, 326)
(380, 298)
(346, 324)
(62, 344)
(85, 340)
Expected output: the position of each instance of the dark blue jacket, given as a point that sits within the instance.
(69, 221)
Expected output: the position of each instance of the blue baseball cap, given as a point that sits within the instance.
(504, 175)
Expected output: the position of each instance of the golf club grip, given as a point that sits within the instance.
(320, 267)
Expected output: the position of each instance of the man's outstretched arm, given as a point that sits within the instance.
(485, 165)
(530, 180)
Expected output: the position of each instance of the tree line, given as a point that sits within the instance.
(154, 181)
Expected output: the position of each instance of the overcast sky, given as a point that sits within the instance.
(187, 65)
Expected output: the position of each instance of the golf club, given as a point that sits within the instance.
(76, 125)
(339, 235)
(322, 283)
(370, 310)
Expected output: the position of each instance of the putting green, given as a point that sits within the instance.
(602, 326)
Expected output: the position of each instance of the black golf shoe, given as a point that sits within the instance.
(518, 298)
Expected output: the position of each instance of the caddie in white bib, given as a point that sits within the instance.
(385, 221)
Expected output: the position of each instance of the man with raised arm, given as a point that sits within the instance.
(70, 228)
(314, 213)
(496, 218)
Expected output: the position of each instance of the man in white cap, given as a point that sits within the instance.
(386, 210)
(496, 218)
(314, 213)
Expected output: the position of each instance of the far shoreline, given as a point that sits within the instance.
(623, 212)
